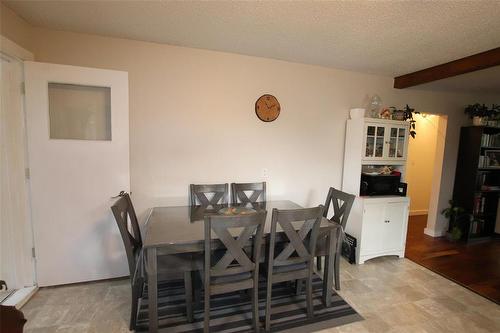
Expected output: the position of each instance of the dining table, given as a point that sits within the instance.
(180, 229)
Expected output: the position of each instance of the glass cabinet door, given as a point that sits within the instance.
(400, 153)
(397, 137)
(374, 141)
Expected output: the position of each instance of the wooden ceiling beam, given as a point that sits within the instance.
(468, 64)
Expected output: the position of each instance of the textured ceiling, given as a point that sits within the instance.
(387, 38)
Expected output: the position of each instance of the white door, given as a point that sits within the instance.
(78, 148)
(394, 232)
(373, 224)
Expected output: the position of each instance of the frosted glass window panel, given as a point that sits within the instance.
(79, 112)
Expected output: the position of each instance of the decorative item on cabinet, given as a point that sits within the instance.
(375, 106)
(357, 113)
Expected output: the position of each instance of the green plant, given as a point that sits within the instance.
(409, 112)
(456, 215)
(407, 116)
(481, 110)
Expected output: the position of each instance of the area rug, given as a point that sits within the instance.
(232, 312)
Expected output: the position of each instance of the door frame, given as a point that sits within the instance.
(20, 54)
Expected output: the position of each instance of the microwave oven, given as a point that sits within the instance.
(378, 184)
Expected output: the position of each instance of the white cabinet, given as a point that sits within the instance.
(379, 224)
(385, 140)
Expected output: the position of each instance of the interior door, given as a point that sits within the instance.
(78, 148)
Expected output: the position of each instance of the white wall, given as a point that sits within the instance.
(193, 121)
(192, 116)
(421, 158)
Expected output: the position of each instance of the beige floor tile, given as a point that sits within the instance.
(392, 294)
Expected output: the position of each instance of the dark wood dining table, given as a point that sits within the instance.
(175, 230)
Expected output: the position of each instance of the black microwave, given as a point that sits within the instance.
(378, 184)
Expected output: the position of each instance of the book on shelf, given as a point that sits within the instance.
(490, 140)
(490, 188)
(477, 226)
(483, 161)
(478, 206)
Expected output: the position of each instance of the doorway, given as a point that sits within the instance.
(424, 157)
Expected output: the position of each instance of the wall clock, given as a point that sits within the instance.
(267, 108)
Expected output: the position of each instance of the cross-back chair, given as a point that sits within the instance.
(235, 266)
(342, 203)
(198, 194)
(239, 195)
(294, 258)
(169, 267)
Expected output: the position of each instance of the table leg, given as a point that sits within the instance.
(152, 289)
(329, 267)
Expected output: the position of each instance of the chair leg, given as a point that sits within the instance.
(337, 270)
(206, 321)
(318, 263)
(309, 299)
(298, 287)
(136, 293)
(255, 309)
(269, 291)
(188, 285)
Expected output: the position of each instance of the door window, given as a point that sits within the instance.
(79, 112)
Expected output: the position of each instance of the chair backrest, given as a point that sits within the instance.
(257, 192)
(342, 204)
(198, 194)
(301, 244)
(124, 212)
(235, 260)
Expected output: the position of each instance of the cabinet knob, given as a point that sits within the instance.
(387, 221)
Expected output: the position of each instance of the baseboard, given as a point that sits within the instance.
(419, 212)
(20, 297)
(434, 233)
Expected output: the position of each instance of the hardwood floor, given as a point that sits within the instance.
(475, 266)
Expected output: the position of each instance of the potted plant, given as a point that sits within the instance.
(480, 113)
(457, 221)
(405, 114)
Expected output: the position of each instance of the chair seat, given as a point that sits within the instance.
(185, 262)
(289, 268)
(231, 278)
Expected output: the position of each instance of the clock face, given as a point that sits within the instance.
(267, 108)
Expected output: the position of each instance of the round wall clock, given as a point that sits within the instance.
(267, 108)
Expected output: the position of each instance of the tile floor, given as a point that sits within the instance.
(393, 295)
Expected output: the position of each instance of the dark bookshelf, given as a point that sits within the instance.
(477, 180)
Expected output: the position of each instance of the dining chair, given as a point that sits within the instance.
(236, 266)
(257, 192)
(169, 266)
(342, 203)
(295, 252)
(12, 320)
(198, 194)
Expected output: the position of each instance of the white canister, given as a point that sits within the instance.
(357, 113)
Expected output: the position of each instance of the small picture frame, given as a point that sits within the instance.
(492, 158)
